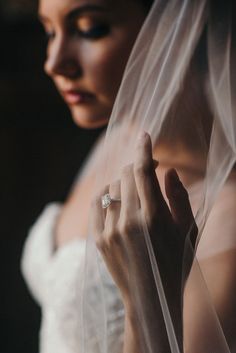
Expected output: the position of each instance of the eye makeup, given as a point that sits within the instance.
(91, 28)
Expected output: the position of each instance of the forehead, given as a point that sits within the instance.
(48, 6)
(62, 7)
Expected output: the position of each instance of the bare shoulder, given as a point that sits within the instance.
(220, 230)
(216, 256)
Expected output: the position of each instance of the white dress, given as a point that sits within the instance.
(53, 277)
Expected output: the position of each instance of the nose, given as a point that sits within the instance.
(62, 59)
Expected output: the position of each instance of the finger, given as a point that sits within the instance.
(149, 191)
(98, 214)
(180, 205)
(129, 195)
(113, 211)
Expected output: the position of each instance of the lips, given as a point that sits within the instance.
(73, 97)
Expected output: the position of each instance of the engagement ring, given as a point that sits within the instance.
(107, 200)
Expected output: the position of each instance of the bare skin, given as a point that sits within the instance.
(115, 239)
(198, 329)
(89, 44)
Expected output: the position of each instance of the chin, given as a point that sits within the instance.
(87, 121)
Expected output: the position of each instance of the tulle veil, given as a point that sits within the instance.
(169, 39)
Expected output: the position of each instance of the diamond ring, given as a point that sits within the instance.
(107, 200)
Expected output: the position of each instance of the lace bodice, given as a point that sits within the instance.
(53, 278)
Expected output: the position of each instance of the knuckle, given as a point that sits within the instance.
(122, 228)
(100, 244)
(141, 170)
(112, 238)
(127, 228)
(127, 171)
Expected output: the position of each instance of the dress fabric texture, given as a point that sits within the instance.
(151, 84)
(52, 277)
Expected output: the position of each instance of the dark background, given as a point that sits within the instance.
(41, 151)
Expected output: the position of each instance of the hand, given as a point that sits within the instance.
(119, 231)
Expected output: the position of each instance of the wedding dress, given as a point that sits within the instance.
(52, 276)
(81, 305)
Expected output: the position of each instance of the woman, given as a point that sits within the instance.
(89, 45)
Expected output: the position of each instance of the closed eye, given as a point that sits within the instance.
(96, 32)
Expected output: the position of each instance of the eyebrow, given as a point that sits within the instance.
(76, 12)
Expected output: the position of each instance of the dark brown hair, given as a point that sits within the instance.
(147, 3)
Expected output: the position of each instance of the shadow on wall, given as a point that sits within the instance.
(40, 153)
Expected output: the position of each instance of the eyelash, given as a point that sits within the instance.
(95, 32)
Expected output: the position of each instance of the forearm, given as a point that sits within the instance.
(132, 334)
(145, 330)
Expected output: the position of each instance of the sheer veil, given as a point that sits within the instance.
(171, 44)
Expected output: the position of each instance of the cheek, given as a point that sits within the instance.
(106, 65)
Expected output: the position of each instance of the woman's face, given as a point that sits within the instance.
(89, 42)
